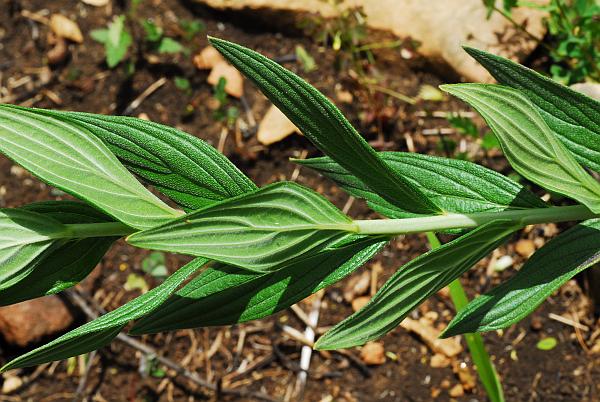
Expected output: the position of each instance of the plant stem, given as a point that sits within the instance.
(464, 221)
(84, 230)
(485, 369)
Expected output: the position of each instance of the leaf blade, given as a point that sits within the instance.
(257, 231)
(183, 167)
(573, 116)
(101, 331)
(413, 283)
(225, 295)
(457, 186)
(323, 123)
(550, 267)
(528, 143)
(65, 264)
(58, 152)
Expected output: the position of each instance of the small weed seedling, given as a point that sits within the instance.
(574, 35)
(116, 40)
(260, 250)
(224, 113)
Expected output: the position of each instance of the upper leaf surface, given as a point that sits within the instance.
(185, 168)
(69, 157)
(256, 231)
(456, 186)
(550, 267)
(103, 330)
(528, 143)
(413, 283)
(225, 295)
(323, 123)
(65, 264)
(573, 116)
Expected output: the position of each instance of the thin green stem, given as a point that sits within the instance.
(465, 221)
(485, 368)
(85, 230)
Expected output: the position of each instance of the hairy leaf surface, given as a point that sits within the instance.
(257, 231)
(68, 262)
(549, 268)
(225, 295)
(528, 143)
(413, 283)
(103, 330)
(457, 186)
(69, 157)
(186, 169)
(323, 123)
(573, 116)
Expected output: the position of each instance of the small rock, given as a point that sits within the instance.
(373, 353)
(96, 3)
(525, 247)
(465, 375)
(344, 96)
(274, 127)
(536, 323)
(65, 28)
(445, 384)
(234, 85)
(26, 322)
(208, 58)
(588, 88)
(360, 302)
(59, 52)
(503, 262)
(550, 230)
(457, 391)
(11, 384)
(438, 360)
(357, 286)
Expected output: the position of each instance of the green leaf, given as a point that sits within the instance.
(100, 35)
(169, 45)
(25, 237)
(181, 166)
(549, 268)
(306, 60)
(573, 116)
(153, 31)
(154, 264)
(413, 283)
(225, 295)
(101, 331)
(68, 156)
(117, 42)
(547, 343)
(257, 231)
(323, 123)
(456, 186)
(528, 143)
(68, 262)
(481, 359)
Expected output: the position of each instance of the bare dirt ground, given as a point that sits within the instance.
(261, 356)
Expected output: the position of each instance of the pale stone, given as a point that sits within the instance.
(440, 26)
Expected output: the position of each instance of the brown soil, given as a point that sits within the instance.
(83, 82)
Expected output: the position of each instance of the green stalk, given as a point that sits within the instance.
(85, 230)
(485, 368)
(466, 221)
